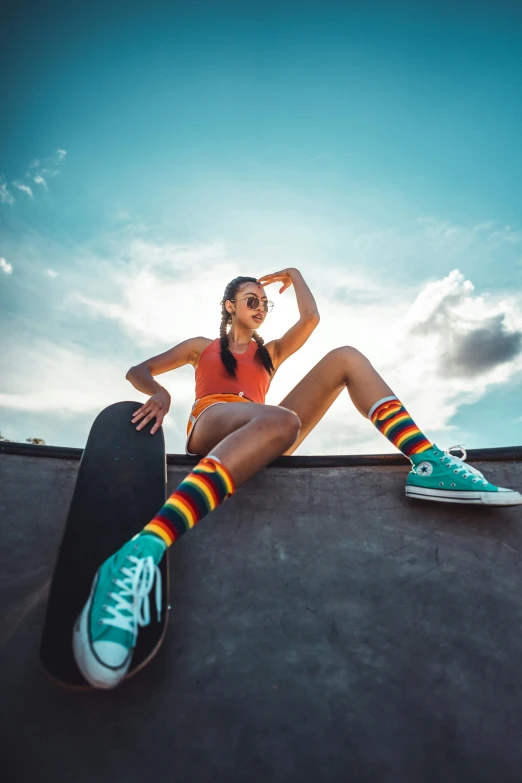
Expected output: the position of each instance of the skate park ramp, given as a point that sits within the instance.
(323, 628)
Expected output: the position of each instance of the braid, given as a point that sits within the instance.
(227, 357)
(262, 354)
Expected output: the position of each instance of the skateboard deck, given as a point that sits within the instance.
(121, 485)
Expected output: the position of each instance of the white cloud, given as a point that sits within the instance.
(38, 172)
(165, 289)
(483, 237)
(5, 196)
(70, 379)
(52, 273)
(5, 266)
(474, 334)
(23, 188)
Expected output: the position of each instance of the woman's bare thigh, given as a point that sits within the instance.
(315, 394)
(342, 368)
(220, 420)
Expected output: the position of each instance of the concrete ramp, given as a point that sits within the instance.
(323, 628)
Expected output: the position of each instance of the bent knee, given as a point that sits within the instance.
(348, 353)
(282, 419)
(292, 422)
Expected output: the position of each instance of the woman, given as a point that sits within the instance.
(239, 434)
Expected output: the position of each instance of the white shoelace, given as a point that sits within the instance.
(133, 595)
(461, 465)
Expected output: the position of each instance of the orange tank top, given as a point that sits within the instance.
(252, 380)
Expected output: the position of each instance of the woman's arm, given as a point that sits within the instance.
(309, 317)
(142, 378)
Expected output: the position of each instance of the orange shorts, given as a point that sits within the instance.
(202, 405)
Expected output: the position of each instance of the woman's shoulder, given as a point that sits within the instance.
(201, 344)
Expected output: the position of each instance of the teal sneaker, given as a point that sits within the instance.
(106, 630)
(439, 475)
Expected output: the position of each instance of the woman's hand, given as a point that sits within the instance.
(305, 300)
(156, 407)
(285, 277)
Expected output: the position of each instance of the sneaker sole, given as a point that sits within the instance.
(509, 498)
(89, 665)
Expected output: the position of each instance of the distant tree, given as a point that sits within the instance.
(34, 441)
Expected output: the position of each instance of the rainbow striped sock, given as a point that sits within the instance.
(394, 422)
(206, 487)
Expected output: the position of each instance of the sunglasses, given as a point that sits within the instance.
(253, 304)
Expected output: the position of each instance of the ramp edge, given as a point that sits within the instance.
(498, 454)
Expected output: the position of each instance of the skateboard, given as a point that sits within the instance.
(121, 485)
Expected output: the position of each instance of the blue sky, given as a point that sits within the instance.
(147, 156)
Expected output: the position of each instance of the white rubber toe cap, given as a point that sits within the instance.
(103, 664)
(110, 653)
(508, 497)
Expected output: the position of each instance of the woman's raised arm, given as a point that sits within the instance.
(299, 333)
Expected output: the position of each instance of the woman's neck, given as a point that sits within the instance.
(240, 337)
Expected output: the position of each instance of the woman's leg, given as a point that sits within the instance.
(342, 368)
(435, 474)
(244, 437)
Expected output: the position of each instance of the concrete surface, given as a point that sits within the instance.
(323, 628)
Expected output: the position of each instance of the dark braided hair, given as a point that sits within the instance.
(227, 357)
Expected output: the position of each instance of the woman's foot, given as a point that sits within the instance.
(106, 630)
(439, 475)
